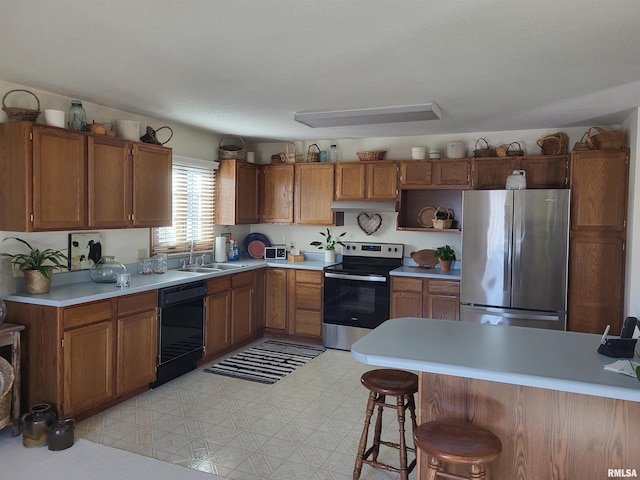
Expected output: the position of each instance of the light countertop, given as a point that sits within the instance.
(551, 359)
(89, 291)
(415, 271)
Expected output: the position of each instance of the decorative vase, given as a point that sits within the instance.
(61, 434)
(36, 283)
(329, 256)
(445, 265)
(35, 425)
(106, 270)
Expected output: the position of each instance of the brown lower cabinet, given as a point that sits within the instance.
(425, 297)
(293, 302)
(234, 313)
(89, 356)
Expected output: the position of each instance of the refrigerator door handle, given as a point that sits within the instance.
(506, 274)
(518, 221)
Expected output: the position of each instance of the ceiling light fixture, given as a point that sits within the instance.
(415, 112)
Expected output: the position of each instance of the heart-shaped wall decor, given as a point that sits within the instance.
(369, 223)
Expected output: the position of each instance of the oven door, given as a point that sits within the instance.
(356, 300)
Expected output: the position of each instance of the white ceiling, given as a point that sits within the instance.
(245, 67)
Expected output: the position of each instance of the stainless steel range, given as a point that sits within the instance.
(356, 292)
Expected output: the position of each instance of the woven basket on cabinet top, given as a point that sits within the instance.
(603, 140)
(21, 114)
(371, 155)
(231, 152)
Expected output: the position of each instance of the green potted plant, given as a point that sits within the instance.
(328, 244)
(37, 266)
(445, 256)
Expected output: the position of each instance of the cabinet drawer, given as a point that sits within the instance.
(309, 276)
(242, 279)
(406, 284)
(308, 297)
(217, 285)
(138, 302)
(87, 314)
(444, 287)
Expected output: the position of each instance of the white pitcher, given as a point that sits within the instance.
(517, 180)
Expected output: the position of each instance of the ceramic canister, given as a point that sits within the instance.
(517, 180)
(35, 425)
(61, 434)
(456, 149)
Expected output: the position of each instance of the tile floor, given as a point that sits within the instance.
(306, 426)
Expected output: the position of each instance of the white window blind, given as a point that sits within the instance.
(193, 209)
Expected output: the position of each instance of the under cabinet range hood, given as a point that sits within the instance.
(364, 206)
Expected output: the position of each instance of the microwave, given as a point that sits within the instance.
(275, 252)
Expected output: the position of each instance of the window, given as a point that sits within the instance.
(193, 208)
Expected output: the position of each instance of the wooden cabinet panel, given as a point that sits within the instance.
(415, 174)
(276, 299)
(87, 313)
(237, 193)
(137, 349)
(599, 184)
(546, 171)
(350, 181)
(451, 173)
(314, 194)
(277, 193)
(259, 317)
(217, 332)
(382, 181)
(88, 367)
(59, 179)
(492, 173)
(366, 181)
(596, 283)
(242, 306)
(425, 297)
(109, 179)
(305, 302)
(152, 186)
(406, 304)
(137, 302)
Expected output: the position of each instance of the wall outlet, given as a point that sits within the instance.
(142, 253)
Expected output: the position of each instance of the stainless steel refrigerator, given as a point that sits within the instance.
(515, 247)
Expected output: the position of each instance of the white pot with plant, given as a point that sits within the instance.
(328, 244)
(37, 266)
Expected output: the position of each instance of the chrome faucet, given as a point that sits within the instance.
(191, 254)
(201, 260)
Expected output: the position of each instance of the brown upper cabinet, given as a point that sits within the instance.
(48, 180)
(541, 171)
(451, 173)
(415, 174)
(237, 197)
(366, 181)
(129, 184)
(277, 193)
(314, 194)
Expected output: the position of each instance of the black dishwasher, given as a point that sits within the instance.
(181, 335)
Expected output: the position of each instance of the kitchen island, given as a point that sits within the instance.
(544, 393)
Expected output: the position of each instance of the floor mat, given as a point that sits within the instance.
(267, 362)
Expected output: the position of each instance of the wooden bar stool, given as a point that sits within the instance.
(456, 442)
(381, 383)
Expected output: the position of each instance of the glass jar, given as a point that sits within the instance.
(333, 153)
(145, 267)
(106, 270)
(77, 118)
(160, 263)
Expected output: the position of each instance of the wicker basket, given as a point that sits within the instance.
(233, 151)
(443, 218)
(21, 114)
(487, 151)
(603, 140)
(291, 155)
(555, 144)
(313, 156)
(7, 377)
(513, 149)
(295, 258)
(371, 155)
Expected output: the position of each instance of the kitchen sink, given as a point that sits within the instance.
(198, 269)
(223, 266)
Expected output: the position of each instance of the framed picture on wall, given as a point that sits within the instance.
(85, 249)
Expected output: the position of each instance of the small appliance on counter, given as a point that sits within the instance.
(275, 252)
